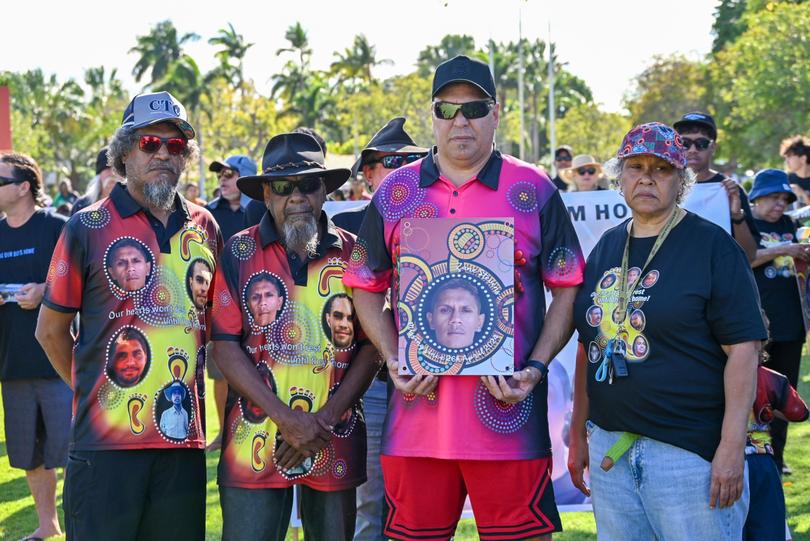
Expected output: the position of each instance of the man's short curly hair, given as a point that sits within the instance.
(123, 142)
(798, 145)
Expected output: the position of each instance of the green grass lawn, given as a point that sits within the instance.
(17, 516)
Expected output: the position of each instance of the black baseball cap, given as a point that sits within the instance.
(463, 69)
(696, 118)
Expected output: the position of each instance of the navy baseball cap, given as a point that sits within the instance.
(697, 118)
(154, 108)
(463, 69)
(238, 162)
(769, 181)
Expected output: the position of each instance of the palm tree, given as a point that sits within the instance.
(295, 74)
(451, 45)
(299, 44)
(158, 50)
(233, 49)
(355, 63)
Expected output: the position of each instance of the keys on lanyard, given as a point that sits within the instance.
(614, 362)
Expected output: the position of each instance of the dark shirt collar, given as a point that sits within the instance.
(488, 176)
(127, 206)
(268, 233)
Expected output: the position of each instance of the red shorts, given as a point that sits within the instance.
(511, 499)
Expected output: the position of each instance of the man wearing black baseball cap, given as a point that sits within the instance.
(698, 133)
(562, 160)
(116, 481)
(446, 432)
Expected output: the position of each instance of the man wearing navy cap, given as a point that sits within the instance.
(698, 133)
(133, 473)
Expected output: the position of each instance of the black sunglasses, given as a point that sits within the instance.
(8, 180)
(701, 143)
(587, 170)
(305, 185)
(563, 158)
(446, 110)
(395, 161)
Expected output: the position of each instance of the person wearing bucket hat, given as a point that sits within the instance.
(584, 174)
(441, 431)
(775, 273)
(174, 419)
(151, 150)
(691, 285)
(698, 133)
(313, 416)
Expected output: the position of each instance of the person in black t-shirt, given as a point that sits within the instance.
(562, 160)
(796, 151)
(37, 403)
(698, 133)
(775, 274)
(690, 330)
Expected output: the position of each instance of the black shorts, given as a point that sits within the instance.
(135, 495)
(37, 422)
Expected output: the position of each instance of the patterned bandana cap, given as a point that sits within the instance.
(654, 138)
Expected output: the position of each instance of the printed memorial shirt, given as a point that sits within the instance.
(142, 291)
(295, 320)
(461, 419)
(696, 295)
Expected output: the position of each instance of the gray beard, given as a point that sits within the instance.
(303, 235)
(160, 193)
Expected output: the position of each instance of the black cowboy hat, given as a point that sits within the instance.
(291, 155)
(391, 138)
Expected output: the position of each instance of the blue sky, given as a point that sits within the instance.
(606, 43)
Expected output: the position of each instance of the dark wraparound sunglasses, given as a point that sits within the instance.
(446, 110)
(226, 173)
(701, 143)
(563, 158)
(8, 180)
(587, 170)
(152, 143)
(305, 186)
(395, 161)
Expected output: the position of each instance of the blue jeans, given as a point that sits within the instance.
(371, 494)
(658, 491)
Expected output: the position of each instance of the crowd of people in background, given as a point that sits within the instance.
(132, 291)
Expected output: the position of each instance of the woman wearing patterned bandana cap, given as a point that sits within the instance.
(660, 418)
(775, 273)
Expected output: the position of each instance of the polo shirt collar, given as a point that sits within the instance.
(127, 206)
(268, 233)
(244, 201)
(488, 176)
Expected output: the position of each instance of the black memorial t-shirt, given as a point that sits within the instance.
(777, 284)
(25, 254)
(697, 293)
(801, 182)
(746, 207)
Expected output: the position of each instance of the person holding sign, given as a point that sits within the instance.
(487, 437)
(669, 398)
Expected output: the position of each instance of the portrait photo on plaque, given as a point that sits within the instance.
(456, 296)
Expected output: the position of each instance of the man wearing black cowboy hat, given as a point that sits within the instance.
(312, 432)
(389, 149)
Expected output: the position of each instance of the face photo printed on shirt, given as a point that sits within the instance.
(632, 322)
(173, 411)
(198, 282)
(128, 357)
(128, 264)
(264, 299)
(783, 265)
(338, 321)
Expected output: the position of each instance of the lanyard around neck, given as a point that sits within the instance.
(625, 289)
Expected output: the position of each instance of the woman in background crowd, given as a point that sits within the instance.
(584, 175)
